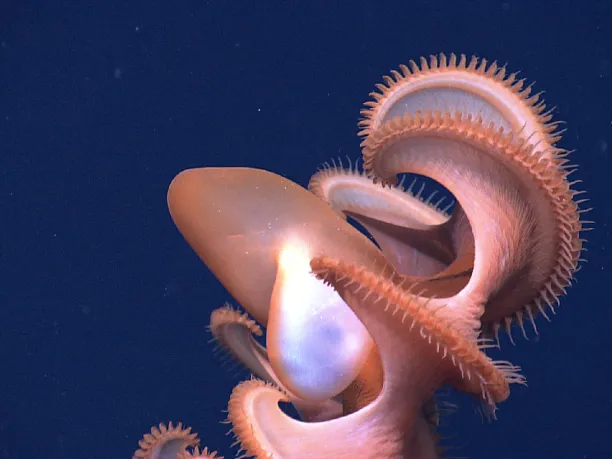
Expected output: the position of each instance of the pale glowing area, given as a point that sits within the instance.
(316, 344)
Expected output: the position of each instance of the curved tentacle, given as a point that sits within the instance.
(473, 87)
(263, 430)
(165, 442)
(414, 234)
(477, 89)
(519, 204)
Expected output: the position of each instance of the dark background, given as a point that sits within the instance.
(103, 307)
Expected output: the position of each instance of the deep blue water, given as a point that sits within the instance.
(104, 307)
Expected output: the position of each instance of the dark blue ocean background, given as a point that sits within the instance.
(104, 307)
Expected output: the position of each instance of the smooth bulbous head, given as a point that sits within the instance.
(245, 223)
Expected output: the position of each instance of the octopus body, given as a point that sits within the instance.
(360, 335)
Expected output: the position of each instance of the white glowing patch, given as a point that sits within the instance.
(294, 262)
(316, 343)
